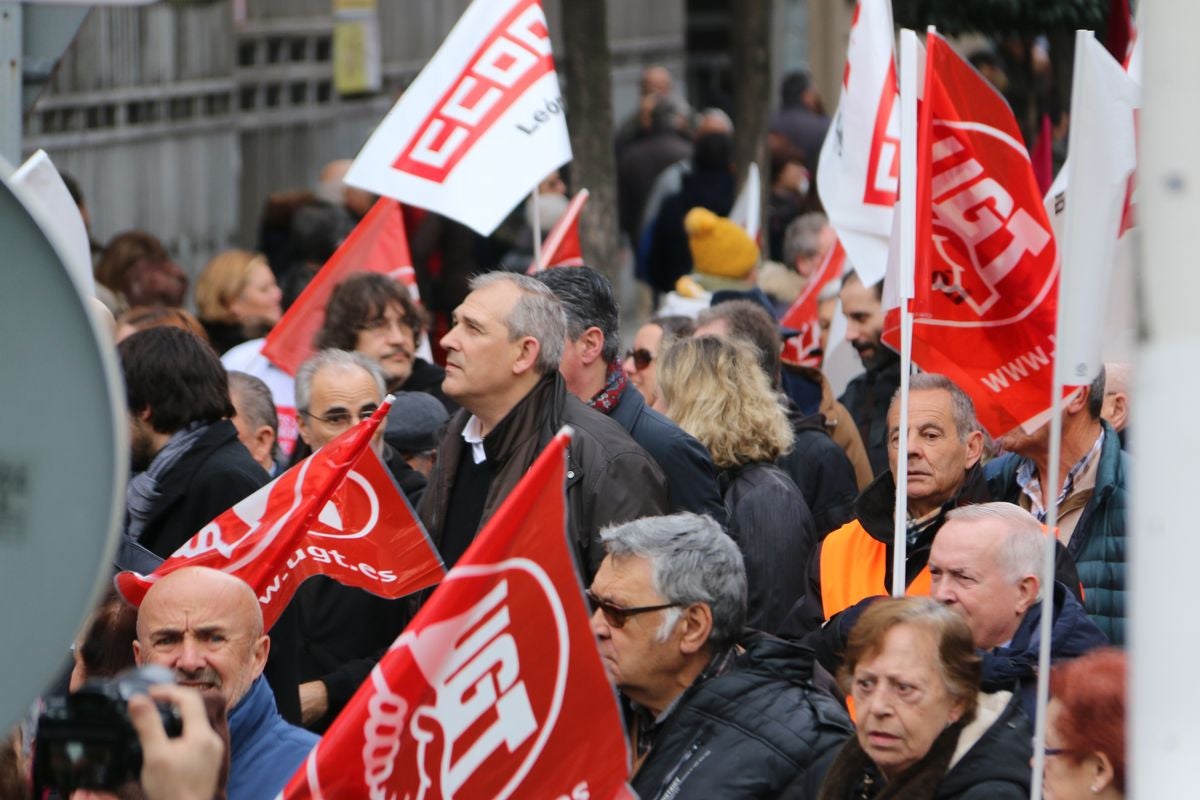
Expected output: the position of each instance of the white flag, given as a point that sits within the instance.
(1101, 156)
(858, 173)
(481, 124)
(48, 199)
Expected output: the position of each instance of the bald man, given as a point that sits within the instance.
(207, 626)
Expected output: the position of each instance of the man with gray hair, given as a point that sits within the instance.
(718, 711)
(255, 418)
(986, 564)
(342, 629)
(502, 357)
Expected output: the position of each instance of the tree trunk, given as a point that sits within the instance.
(587, 70)
(751, 57)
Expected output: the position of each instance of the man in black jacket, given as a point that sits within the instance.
(868, 396)
(591, 368)
(715, 712)
(188, 465)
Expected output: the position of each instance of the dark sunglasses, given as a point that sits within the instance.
(641, 357)
(616, 616)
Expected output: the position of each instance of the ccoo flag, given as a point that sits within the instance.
(336, 513)
(858, 172)
(377, 244)
(495, 689)
(481, 124)
(986, 266)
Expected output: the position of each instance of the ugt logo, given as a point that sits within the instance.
(490, 696)
(992, 259)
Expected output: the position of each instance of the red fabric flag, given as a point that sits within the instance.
(986, 265)
(804, 349)
(562, 247)
(377, 244)
(495, 689)
(336, 513)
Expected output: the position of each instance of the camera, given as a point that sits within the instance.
(86, 740)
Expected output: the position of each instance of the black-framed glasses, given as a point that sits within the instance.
(616, 616)
(641, 357)
(340, 418)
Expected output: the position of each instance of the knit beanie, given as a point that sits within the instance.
(720, 247)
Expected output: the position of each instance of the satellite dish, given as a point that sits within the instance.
(63, 457)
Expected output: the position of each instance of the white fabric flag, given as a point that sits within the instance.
(1102, 154)
(481, 125)
(858, 173)
(747, 209)
(46, 196)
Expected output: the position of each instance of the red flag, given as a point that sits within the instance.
(377, 244)
(986, 274)
(495, 689)
(562, 247)
(336, 513)
(804, 349)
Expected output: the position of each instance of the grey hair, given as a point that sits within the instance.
(256, 403)
(961, 407)
(334, 359)
(537, 313)
(803, 237)
(1023, 549)
(692, 560)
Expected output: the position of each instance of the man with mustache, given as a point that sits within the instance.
(374, 315)
(207, 626)
(868, 395)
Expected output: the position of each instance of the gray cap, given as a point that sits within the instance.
(415, 422)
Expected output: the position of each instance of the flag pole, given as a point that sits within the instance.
(537, 226)
(908, 240)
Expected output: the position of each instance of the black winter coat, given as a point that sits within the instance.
(687, 465)
(867, 398)
(821, 471)
(773, 527)
(208, 479)
(745, 734)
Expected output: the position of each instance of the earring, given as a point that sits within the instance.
(1095, 789)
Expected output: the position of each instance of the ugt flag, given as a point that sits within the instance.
(986, 266)
(377, 244)
(481, 124)
(336, 513)
(858, 172)
(495, 689)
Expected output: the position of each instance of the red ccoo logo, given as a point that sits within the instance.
(510, 60)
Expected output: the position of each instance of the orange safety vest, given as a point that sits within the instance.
(854, 567)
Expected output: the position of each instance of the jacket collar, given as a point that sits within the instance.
(217, 436)
(525, 420)
(251, 714)
(875, 506)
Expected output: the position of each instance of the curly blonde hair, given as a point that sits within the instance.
(715, 390)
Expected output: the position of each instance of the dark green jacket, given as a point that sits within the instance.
(1098, 543)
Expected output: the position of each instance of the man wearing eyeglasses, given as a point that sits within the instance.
(717, 711)
(342, 628)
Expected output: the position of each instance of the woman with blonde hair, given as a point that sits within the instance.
(237, 298)
(715, 390)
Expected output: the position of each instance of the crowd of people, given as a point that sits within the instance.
(731, 520)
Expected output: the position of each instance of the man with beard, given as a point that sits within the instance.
(374, 315)
(867, 396)
(188, 465)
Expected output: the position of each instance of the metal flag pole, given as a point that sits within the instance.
(537, 227)
(909, 79)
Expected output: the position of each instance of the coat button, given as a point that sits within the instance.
(571, 474)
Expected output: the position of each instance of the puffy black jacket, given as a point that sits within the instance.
(771, 523)
(867, 398)
(821, 471)
(747, 733)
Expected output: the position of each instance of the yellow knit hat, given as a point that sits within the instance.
(719, 246)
